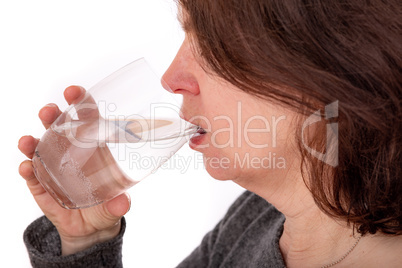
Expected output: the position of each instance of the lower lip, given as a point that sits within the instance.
(196, 140)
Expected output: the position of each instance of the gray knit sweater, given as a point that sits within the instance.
(248, 236)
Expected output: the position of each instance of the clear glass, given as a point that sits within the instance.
(112, 137)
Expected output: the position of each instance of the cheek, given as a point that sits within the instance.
(243, 164)
(223, 133)
(253, 135)
(249, 148)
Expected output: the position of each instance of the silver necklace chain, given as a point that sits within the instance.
(345, 255)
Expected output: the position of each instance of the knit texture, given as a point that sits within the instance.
(44, 248)
(248, 236)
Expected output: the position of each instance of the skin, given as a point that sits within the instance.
(310, 238)
(78, 229)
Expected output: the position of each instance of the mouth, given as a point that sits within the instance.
(198, 137)
(201, 131)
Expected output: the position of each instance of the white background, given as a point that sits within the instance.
(46, 46)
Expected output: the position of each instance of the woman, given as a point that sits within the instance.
(314, 86)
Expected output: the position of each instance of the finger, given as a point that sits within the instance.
(48, 114)
(74, 94)
(109, 213)
(26, 171)
(119, 205)
(27, 145)
(87, 108)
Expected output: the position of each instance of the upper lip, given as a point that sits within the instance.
(185, 118)
(200, 130)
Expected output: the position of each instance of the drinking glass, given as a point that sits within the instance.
(111, 137)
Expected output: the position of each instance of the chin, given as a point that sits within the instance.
(220, 175)
(220, 171)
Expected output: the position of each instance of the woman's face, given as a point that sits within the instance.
(245, 136)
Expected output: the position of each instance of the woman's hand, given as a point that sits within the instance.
(78, 229)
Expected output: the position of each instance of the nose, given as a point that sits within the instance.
(181, 76)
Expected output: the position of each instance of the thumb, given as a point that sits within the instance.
(119, 205)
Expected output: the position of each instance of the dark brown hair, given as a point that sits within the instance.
(308, 52)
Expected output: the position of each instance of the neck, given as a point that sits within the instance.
(310, 237)
(313, 239)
